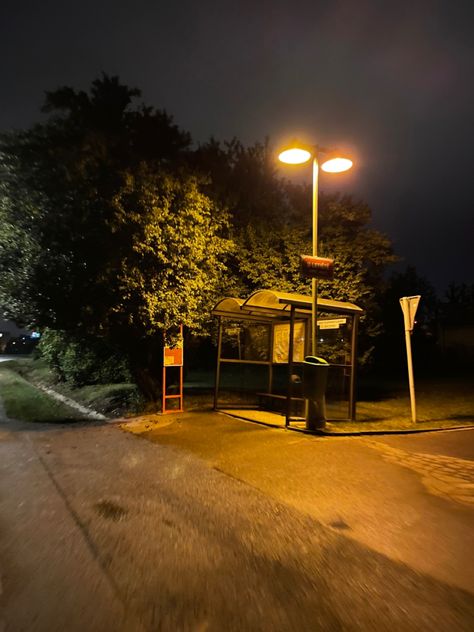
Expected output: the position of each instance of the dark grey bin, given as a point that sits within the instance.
(315, 377)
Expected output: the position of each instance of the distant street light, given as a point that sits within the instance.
(331, 162)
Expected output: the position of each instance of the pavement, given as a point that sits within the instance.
(213, 524)
(410, 497)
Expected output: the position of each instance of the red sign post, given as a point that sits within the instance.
(173, 357)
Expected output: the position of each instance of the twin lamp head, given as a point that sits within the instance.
(298, 154)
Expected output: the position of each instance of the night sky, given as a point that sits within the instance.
(391, 83)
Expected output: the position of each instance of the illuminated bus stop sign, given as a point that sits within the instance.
(316, 267)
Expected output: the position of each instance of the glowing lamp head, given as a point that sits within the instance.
(336, 165)
(295, 156)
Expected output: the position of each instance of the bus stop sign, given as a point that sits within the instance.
(316, 267)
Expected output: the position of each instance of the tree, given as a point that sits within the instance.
(391, 349)
(457, 308)
(106, 233)
(460, 295)
(171, 273)
(244, 180)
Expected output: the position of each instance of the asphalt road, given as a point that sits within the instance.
(102, 530)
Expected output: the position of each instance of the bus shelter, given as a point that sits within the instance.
(269, 334)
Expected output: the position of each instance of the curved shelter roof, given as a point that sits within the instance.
(270, 304)
(228, 306)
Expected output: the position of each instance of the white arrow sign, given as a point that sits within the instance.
(409, 305)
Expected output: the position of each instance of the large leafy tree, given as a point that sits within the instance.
(245, 180)
(104, 230)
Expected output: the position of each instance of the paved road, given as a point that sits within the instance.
(101, 530)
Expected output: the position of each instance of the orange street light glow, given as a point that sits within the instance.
(294, 156)
(336, 165)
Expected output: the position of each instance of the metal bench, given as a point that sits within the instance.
(271, 401)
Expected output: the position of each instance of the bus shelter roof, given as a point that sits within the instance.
(267, 305)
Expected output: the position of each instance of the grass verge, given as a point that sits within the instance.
(112, 400)
(24, 402)
(440, 404)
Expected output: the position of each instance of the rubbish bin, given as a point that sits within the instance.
(315, 377)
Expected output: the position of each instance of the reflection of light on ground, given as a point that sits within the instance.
(263, 417)
(276, 419)
(6, 358)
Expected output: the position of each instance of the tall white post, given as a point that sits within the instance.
(409, 305)
(411, 379)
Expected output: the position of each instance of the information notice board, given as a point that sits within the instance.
(281, 340)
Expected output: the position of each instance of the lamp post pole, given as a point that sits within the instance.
(314, 282)
(298, 154)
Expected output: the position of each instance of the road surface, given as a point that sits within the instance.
(102, 530)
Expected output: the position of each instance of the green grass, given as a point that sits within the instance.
(24, 402)
(436, 400)
(112, 400)
(33, 369)
(440, 403)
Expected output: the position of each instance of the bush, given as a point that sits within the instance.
(84, 360)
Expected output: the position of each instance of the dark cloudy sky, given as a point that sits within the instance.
(390, 82)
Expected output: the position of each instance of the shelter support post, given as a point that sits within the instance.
(218, 369)
(289, 392)
(353, 379)
(270, 356)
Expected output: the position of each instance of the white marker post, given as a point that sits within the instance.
(409, 305)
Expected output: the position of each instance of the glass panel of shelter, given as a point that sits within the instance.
(247, 342)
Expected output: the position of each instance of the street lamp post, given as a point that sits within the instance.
(298, 154)
(314, 281)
